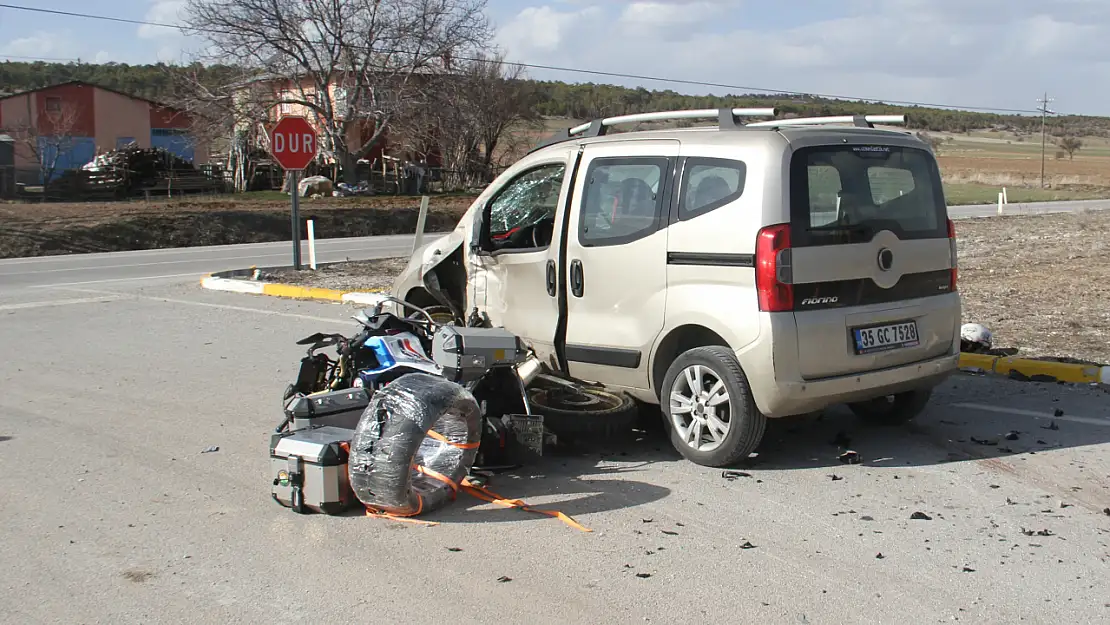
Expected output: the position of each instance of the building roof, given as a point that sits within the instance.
(94, 86)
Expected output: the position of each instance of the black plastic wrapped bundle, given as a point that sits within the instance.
(414, 444)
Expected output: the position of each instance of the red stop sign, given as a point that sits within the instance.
(293, 142)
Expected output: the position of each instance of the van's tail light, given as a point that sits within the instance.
(773, 274)
(952, 250)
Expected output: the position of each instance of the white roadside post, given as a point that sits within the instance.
(311, 245)
(999, 202)
(1005, 197)
(420, 219)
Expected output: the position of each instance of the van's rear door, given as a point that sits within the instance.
(872, 262)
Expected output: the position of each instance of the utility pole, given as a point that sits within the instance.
(1044, 114)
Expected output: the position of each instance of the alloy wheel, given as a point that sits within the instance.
(700, 408)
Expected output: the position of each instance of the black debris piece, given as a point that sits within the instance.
(209, 450)
(1037, 532)
(983, 441)
(1013, 435)
(504, 578)
(680, 524)
(733, 475)
(968, 569)
(1040, 442)
(1106, 511)
(867, 518)
(849, 457)
(834, 477)
(454, 549)
(920, 516)
(841, 439)
(670, 533)
(1058, 412)
(643, 575)
(995, 486)
(747, 545)
(1064, 504)
(647, 520)
(879, 556)
(649, 553)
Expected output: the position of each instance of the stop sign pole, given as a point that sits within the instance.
(293, 144)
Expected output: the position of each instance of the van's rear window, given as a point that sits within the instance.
(847, 193)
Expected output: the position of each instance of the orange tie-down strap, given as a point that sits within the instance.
(478, 492)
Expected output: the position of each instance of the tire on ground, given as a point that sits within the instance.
(393, 435)
(746, 423)
(612, 413)
(893, 409)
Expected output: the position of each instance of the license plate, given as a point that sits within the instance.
(886, 337)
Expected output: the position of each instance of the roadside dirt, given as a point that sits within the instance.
(1041, 283)
(366, 275)
(69, 228)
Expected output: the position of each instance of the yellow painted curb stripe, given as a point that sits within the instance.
(301, 292)
(1064, 372)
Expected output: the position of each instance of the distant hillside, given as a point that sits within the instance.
(579, 101)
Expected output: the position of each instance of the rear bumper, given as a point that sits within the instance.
(786, 398)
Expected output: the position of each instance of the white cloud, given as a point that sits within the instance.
(544, 30)
(41, 44)
(965, 52)
(162, 12)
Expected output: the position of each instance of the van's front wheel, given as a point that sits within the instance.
(708, 403)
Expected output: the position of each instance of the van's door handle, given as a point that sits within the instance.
(551, 278)
(577, 280)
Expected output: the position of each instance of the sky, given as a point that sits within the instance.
(964, 53)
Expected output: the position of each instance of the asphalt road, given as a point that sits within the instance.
(185, 264)
(119, 370)
(112, 514)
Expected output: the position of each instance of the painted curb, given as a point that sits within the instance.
(1035, 370)
(241, 281)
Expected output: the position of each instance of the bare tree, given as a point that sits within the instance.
(352, 64)
(46, 140)
(497, 99)
(1071, 145)
(470, 117)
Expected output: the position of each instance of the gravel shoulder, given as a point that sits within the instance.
(1041, 283)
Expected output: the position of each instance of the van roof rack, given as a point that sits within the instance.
(862, 121)
(727, 120)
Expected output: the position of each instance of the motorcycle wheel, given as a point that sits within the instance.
(578, 412)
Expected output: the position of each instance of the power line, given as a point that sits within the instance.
(561, 69)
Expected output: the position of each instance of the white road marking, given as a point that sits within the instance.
(60, 284)
(1036, 415)
(273, 313)
(57, 302)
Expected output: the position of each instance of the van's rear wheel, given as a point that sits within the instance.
(893, 409)
(709, 408)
